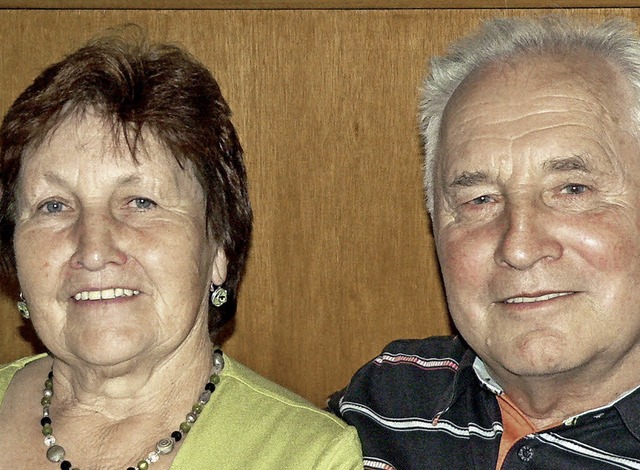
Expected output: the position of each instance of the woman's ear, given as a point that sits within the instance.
(219, 271)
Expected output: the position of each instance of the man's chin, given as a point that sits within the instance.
(539, 357)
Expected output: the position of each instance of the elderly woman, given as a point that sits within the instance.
(124, 213)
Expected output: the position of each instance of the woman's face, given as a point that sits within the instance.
(113, 256)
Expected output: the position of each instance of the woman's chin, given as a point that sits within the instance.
(107, 348)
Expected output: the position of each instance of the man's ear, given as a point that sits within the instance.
(219, 271)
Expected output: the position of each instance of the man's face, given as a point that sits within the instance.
(537, 217)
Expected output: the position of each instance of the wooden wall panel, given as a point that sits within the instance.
(311, 4)
(325, 104)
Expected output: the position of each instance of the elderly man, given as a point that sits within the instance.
(532, 133)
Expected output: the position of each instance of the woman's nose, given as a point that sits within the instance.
(96, 235)
(527, 237)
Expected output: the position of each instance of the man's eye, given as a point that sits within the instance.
(143, 203)
(484, 199)
(52, 207)
(574, 189)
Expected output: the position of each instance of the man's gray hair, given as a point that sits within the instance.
(504, 39)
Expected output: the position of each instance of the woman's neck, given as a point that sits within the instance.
(144, 383)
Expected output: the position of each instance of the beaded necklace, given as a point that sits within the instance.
(56, 453)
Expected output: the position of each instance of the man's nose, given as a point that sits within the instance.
(527, 236)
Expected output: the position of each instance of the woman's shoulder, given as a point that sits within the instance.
(20, 387)
(8, 371)
(250, 387)
(257, 424)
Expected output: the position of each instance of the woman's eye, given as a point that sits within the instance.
(52, 207)
(143, 203)
(574, 188)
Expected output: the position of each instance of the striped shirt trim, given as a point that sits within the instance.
(377, 464)
(420, 424)
(417, 361)
(584, 450)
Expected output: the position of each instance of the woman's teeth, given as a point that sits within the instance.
(105, 294)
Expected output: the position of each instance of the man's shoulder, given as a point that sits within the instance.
(406, 371)
(421, 356)
(418, 404)
(434, 346)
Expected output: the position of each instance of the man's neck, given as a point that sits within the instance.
(550, 400)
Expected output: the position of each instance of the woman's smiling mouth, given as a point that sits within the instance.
(105, 294)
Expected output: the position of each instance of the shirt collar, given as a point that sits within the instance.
(627, 404)
(485, 378)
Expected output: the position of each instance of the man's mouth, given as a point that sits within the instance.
(105, 294)
(539, 298)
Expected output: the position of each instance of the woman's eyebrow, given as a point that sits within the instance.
(128, 179)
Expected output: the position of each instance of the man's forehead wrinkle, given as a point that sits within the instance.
(459, 138)
(464, 120)
(539, 90)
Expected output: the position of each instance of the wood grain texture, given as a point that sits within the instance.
(325, 104)
(310, 4)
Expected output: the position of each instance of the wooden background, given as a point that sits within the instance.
(325, 105)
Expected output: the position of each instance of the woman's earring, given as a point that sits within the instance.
(23, 308)
(218, 295)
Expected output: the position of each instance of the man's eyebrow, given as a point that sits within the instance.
(572, 163)
(558, 164)
(468, 178)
